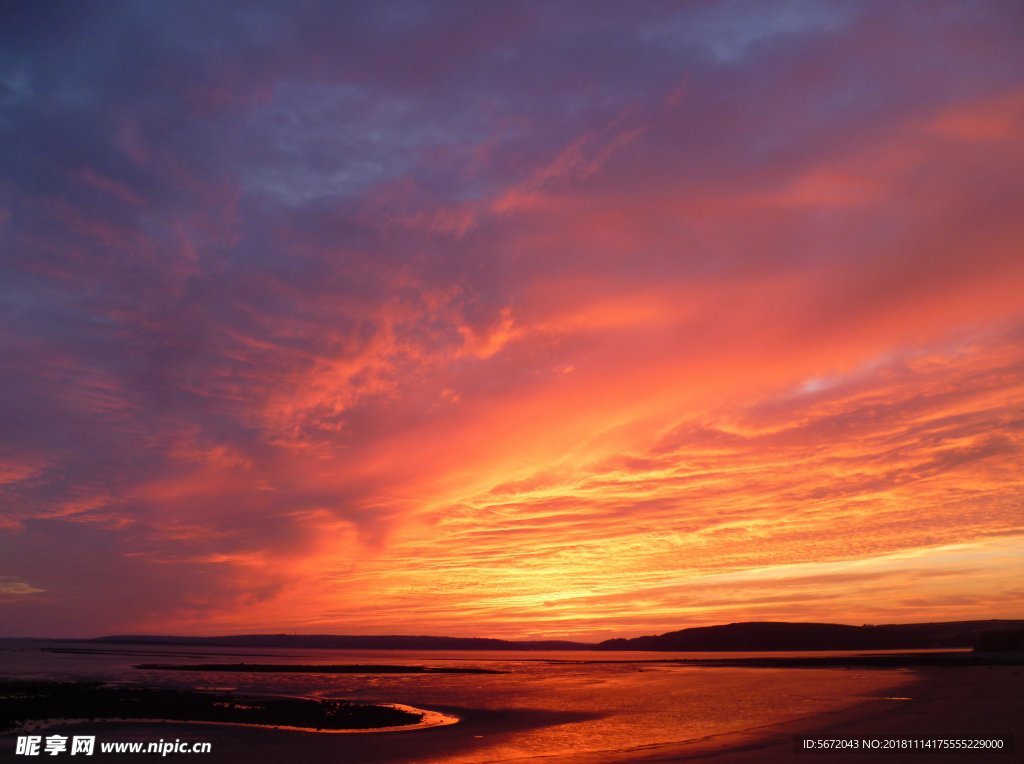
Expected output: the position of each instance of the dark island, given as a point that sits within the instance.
(24, 702)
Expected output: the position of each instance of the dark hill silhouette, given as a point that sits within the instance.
(751, 636)
(813, 636)
(1006, 640)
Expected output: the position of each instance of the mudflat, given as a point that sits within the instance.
(951, 702)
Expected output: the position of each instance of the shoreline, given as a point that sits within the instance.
(974, 701)
(471, 736)
(971, 702)
(946, 659)
(27, 706)
(932, 702)
(428, 719)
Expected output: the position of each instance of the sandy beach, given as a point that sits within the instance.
(947, 702)
(469, 738)
(967, 702)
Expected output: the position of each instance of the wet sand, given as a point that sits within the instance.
(951, 701)
(943, 702)
(471, 736)
(428, 718)
(948, 702)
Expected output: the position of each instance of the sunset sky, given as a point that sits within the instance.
(509, 319)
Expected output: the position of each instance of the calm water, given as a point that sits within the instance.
(620, 700)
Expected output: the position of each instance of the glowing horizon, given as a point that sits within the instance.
(531, 320)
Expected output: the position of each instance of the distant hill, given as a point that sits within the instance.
(343, 642)
(752, 636)
(769, 635)
(1002, 641)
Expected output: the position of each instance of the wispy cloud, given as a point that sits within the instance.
(529, 319)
